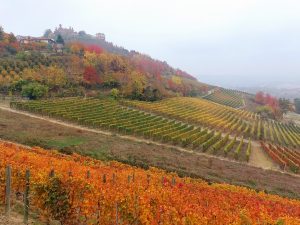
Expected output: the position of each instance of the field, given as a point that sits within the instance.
(93, 192)
(286, 158)
(234, 121)
(111, 115)
(292, 117)
(227, 97)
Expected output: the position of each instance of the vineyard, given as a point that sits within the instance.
(286, 158)
(10, 66)
(226, 97)
(111, 115)
(223, 118)
(81, 190)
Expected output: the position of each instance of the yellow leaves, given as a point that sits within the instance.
(31, 74)
(52, 75)
(177, 80)
(91, 58)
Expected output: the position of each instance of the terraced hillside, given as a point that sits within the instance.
(80, 190)
(192, 123)
(287, 159)
(112, 115)
(234, 121)
(226, 97)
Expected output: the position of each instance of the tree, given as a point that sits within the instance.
(17, 86)
(47, 33)
(297, 105)
(34, 90)
(82, 33)
(90, 76)
(151, 94)
(284, 105)
(53, 76)
(12, 38)
(1, 34)
(260, 98)
(114, 93)
(12, 50)
(60, 40)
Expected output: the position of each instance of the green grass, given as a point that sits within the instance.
(103, 153)
(66, 142)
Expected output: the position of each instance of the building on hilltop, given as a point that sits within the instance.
(100, 36)
(28, 40)
(67, 33)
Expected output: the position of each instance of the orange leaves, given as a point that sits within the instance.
(79, 190)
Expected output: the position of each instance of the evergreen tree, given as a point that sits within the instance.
(1, 34)
(12, 38)
(297, 105)
(47, 33)
(60, 39)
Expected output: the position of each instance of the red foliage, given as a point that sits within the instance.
(89, 48)
(90, 76)
(260, 98)
(172, 85)
(93, 48)
(149, 66)
(181, 73)
(267, 99)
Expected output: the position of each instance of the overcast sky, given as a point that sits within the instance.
(221, 41)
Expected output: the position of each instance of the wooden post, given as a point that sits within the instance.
(136, 208)
(114, 178)
(162, 180)
(104, 178)
(51, 173)
(128, 179)
(173, 181)
(98, 213)
(117, 216)
(88, 174)
(148, 179)
(26, 197)
(133, 177)
(7, 190)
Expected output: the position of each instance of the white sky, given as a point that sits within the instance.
(253, 40)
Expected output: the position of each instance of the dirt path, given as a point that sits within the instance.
(10, 221)
(257, 159)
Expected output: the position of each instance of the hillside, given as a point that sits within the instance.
(191, 123)
(106, 192)
(227, 97)
(83, 64)
(92, 100)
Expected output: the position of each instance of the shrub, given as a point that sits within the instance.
(114, 93)
(34, 90)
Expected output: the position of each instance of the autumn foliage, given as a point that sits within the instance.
(88, 67)
(90, 75)
(266, 99)
(81, 190)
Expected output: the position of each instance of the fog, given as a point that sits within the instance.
(232, 43)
